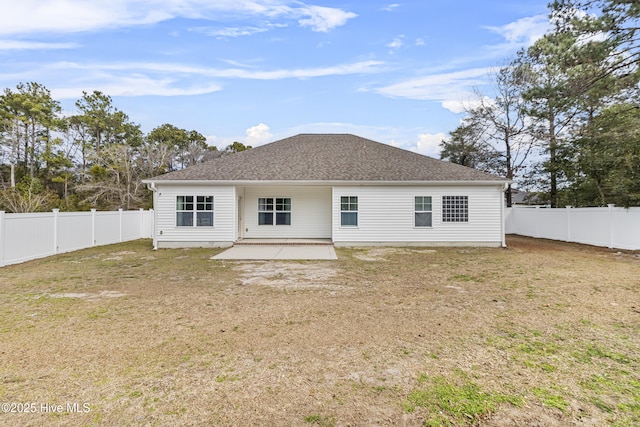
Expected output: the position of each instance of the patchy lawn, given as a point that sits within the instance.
(540, 333)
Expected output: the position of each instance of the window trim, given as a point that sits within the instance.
(265, 202)
(350, 204)
(274, 203)
(195, 202)
(457, 213)
(416, 211)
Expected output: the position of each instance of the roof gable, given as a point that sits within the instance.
(327, 157)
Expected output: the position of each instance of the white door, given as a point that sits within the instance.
(240, 218)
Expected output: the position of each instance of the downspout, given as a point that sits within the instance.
(152, 186)
(503, 214)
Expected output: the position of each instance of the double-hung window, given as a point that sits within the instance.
(283, 211)
(349, 211)
(274, 211)
(455, 208)
(423, 211)
(265, 211)
(194, 211)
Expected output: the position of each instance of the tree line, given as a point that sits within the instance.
(564, 124)
(96, 158)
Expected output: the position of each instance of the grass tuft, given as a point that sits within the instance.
(450, 404)
(548, 398)
(320, 420)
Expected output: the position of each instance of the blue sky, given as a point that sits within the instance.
(256, 71)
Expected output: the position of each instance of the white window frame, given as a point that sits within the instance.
(349, 206)
(199, 208)
(420, 209)
(277, 207)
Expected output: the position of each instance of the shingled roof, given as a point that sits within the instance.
(327, 157)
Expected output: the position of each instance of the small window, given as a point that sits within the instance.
(265, 211)
(349, 211)
(194, 211)
(204, 211)
(274, 211)
(283, 211)
(423, 213)
(455, 208)
(184, 211)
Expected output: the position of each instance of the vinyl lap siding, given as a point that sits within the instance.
(386, 214)
(310, 213)
(224, 216)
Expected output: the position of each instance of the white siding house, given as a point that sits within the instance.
(387, 215)
(168, 234)
(342, 188)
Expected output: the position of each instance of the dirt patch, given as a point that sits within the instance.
(117, 256)
(377, 254)
(541, 333)
(101, 294)
(288, 275)
(382, 253)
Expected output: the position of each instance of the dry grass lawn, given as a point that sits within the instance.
(538, 334)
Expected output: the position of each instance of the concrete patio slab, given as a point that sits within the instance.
(278, 252)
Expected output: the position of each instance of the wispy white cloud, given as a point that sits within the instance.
(360, 67)
(62, 16)
(453, 85)
(396, 43)
(68, 16)
(239, 64)
(452, 89)
(30, 45)
(521, 33)
(323, 19)
(135, 85)
(234, 32)
(165, 79)
(229, 32)
(391, 7)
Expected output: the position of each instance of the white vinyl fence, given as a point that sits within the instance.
(27, 236)
(611, 227)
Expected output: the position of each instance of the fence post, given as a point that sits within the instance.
(1, 238)
(120, 217)
(141, 229)
(568, 208)
(610, 224)
(93, 227)
(537, 211)
(55, 230)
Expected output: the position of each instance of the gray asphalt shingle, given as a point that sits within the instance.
(327, 157)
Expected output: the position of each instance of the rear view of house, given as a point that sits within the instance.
(351, 190)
